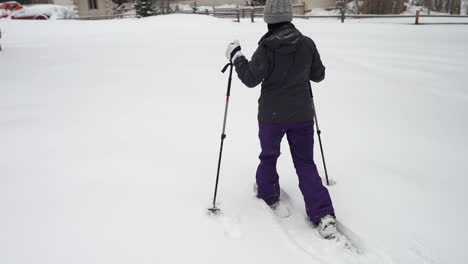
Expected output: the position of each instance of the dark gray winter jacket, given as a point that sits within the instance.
(284, 62)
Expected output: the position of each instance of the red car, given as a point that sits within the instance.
(8, 7)
(12, 6)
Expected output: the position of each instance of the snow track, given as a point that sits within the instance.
(305, 237)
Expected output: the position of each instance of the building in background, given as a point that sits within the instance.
(94, 8)
(63, 2)
(383, 6)
(311, 4)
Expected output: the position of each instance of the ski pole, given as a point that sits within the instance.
(319, 132)
(214, 209)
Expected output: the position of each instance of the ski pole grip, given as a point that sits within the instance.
(228, 94)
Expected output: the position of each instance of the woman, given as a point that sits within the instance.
(284, 63)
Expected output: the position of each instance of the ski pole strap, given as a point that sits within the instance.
(225, 67)
(234, 51)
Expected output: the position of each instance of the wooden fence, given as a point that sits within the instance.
(241, 12)
(417, 17)
(257, 12)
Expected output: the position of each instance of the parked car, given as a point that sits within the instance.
(12, 6)
(8, 7)
(17, 11)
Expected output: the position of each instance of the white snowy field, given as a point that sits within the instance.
(110, 131)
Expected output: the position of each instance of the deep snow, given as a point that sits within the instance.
(110, 135)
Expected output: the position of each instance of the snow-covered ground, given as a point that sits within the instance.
(109, 135)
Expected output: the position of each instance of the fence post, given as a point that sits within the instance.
(417, 18)
(238, 15)
(342, 15)
(252, 14)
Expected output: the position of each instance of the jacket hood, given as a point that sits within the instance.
(283, 40)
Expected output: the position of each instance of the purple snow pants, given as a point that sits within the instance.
(301, 142)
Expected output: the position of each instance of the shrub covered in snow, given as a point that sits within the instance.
(145, 8)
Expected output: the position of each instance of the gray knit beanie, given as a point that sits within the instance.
(277, 11)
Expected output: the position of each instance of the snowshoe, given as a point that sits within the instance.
(327, 227)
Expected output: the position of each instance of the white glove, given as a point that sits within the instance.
(233, 51)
